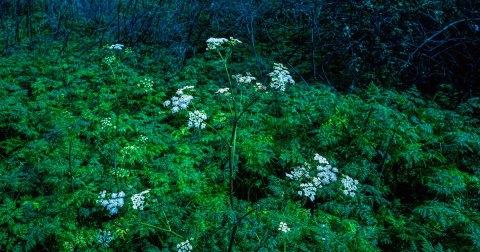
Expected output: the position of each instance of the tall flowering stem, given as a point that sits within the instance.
(109, 61)
(280, 77)
(233, 139)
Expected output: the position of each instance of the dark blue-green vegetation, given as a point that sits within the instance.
(239, 126)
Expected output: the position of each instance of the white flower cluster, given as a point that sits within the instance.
(104, 238)
(300, 172)
(283, 227)
(218, 43)
(215, 43)
(116, 200)
(260, 87)
(280, 77)
(146, 84)
(244, 79)
(180, 91)
(184, 246)
(116, 47)
(181, 102)
(308, 190)
(320, 159)
(223, 91)
(106, 122)
(350, 186)
(325, 175)
(196, 119)
(138, 200)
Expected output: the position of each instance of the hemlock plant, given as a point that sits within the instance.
(102, 156)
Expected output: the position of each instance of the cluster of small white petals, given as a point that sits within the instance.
(138, 200)
(218, 43)
(311, 180)
(146, 84)
(300, 172)
(196, 119)
(308, 190)
(113, 203)
(184, 246)
(280, 77)
(244, 79)
(326, 175)
(350, 186)
(106, 122)
(215, 43)
(283, 227)
(223, 91)
(180, 91)
(180, 102)
(260, 87)
(116, 47)
(104, 238)
(320, 159)
(234, 41)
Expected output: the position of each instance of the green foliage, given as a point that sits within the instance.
(72, 127)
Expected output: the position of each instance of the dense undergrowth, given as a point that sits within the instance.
(73, 127)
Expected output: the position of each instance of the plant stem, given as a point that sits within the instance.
(163, 229)
(70, 146)
(231, 160)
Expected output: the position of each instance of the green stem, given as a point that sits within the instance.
(231, 160)
(163, 229)
(70, 146)
(225, 65)
(284, 245)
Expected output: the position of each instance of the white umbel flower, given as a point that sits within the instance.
(116, 47)
(184, 246)
(308, 190)
(219, 43)
(280, 77)
(350, 186)
(283, 227)
(196, 119)
(113, 203)
(138, 200)
(215, 43)
(244, 79)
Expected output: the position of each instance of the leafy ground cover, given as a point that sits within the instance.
(106, 150)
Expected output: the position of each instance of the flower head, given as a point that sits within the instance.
(260, 87)
(283, 227)
(196, 119)
(244, 79)
(146, 84)
(218, 43)
(180, 102)
(215, 43)
(184, 246)
(111, 204)
(350, 186)
(280, 77)
(116, 47)
(138, 200)
(223, 91)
